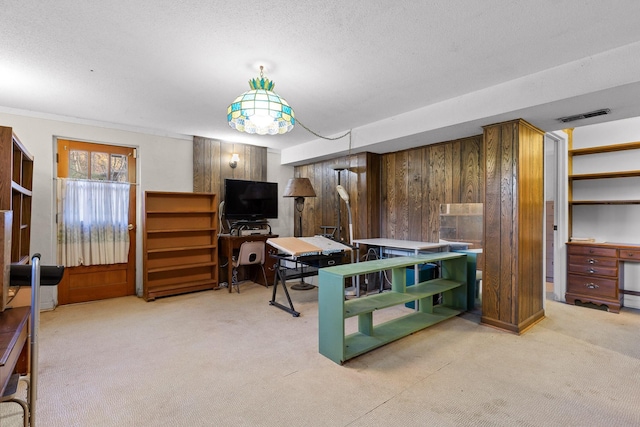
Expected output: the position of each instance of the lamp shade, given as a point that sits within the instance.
(260, 110)
(299, 187)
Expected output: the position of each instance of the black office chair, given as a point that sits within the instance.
(251, 253)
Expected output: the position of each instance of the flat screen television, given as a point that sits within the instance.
(250, 200)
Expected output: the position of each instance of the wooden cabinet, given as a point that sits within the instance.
(16, 184)
(180, 243)
(6, 219)
(595, 272)
(592, 275)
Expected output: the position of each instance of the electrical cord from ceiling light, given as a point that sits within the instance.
(325, 137)
(348, 133)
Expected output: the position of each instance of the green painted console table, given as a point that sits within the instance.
(333, 309)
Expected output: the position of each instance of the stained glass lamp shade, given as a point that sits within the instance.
(261, 110)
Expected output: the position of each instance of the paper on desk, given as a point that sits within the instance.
(300, 246)
(294, 246)
(326, 245)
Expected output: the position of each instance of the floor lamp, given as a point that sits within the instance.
(299, 188)
(345, 196)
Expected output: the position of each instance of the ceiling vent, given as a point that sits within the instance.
(601, 112)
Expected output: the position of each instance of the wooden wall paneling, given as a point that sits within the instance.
(200, 180)
(454, 159)
(508, 224)
(513, 207)
(226, 171)
(472, 180)
(328, 202)
(491, 213)
(436, 188)
(390, 196)
(217, 181)
(211, 164)
(384, 196)
(350, 183)
(369, 195)
(415, 182)
(425, 216)
(414, 194)
(533, 220)
(253, 162)
(205, 155)
(363, 183)
(244, 169)
(374, 167)
(315, 212)
(402, 199)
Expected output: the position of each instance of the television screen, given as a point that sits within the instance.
(250, 200)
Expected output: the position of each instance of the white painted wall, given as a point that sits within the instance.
(165, 163)
(283, 225)
(610, 223)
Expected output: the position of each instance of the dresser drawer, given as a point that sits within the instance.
(630, 254)
(593, 270)
(592, 250)
(595, 261)
(592, 286)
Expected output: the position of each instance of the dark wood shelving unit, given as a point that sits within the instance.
(16, 184)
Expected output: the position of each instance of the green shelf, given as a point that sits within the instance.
(333, 309)
(371, 303)
(359, 343)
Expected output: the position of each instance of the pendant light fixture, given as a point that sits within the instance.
(260, 110)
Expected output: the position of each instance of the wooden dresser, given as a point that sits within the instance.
(595, 273)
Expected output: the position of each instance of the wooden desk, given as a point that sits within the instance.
(406, 247)
(13, 341)
(229, 245)
(595, 272)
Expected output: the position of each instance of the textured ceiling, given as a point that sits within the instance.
(418, 70)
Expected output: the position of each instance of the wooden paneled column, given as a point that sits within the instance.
(512, 280)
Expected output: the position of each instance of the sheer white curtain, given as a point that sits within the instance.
(93, 219)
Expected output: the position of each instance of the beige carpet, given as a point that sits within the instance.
(219, 359)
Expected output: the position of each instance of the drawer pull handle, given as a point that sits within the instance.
(630, 254)
(592, 261)
(592, 270)
(591, 285)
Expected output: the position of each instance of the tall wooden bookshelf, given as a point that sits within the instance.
(16, 183)
(180, 243)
